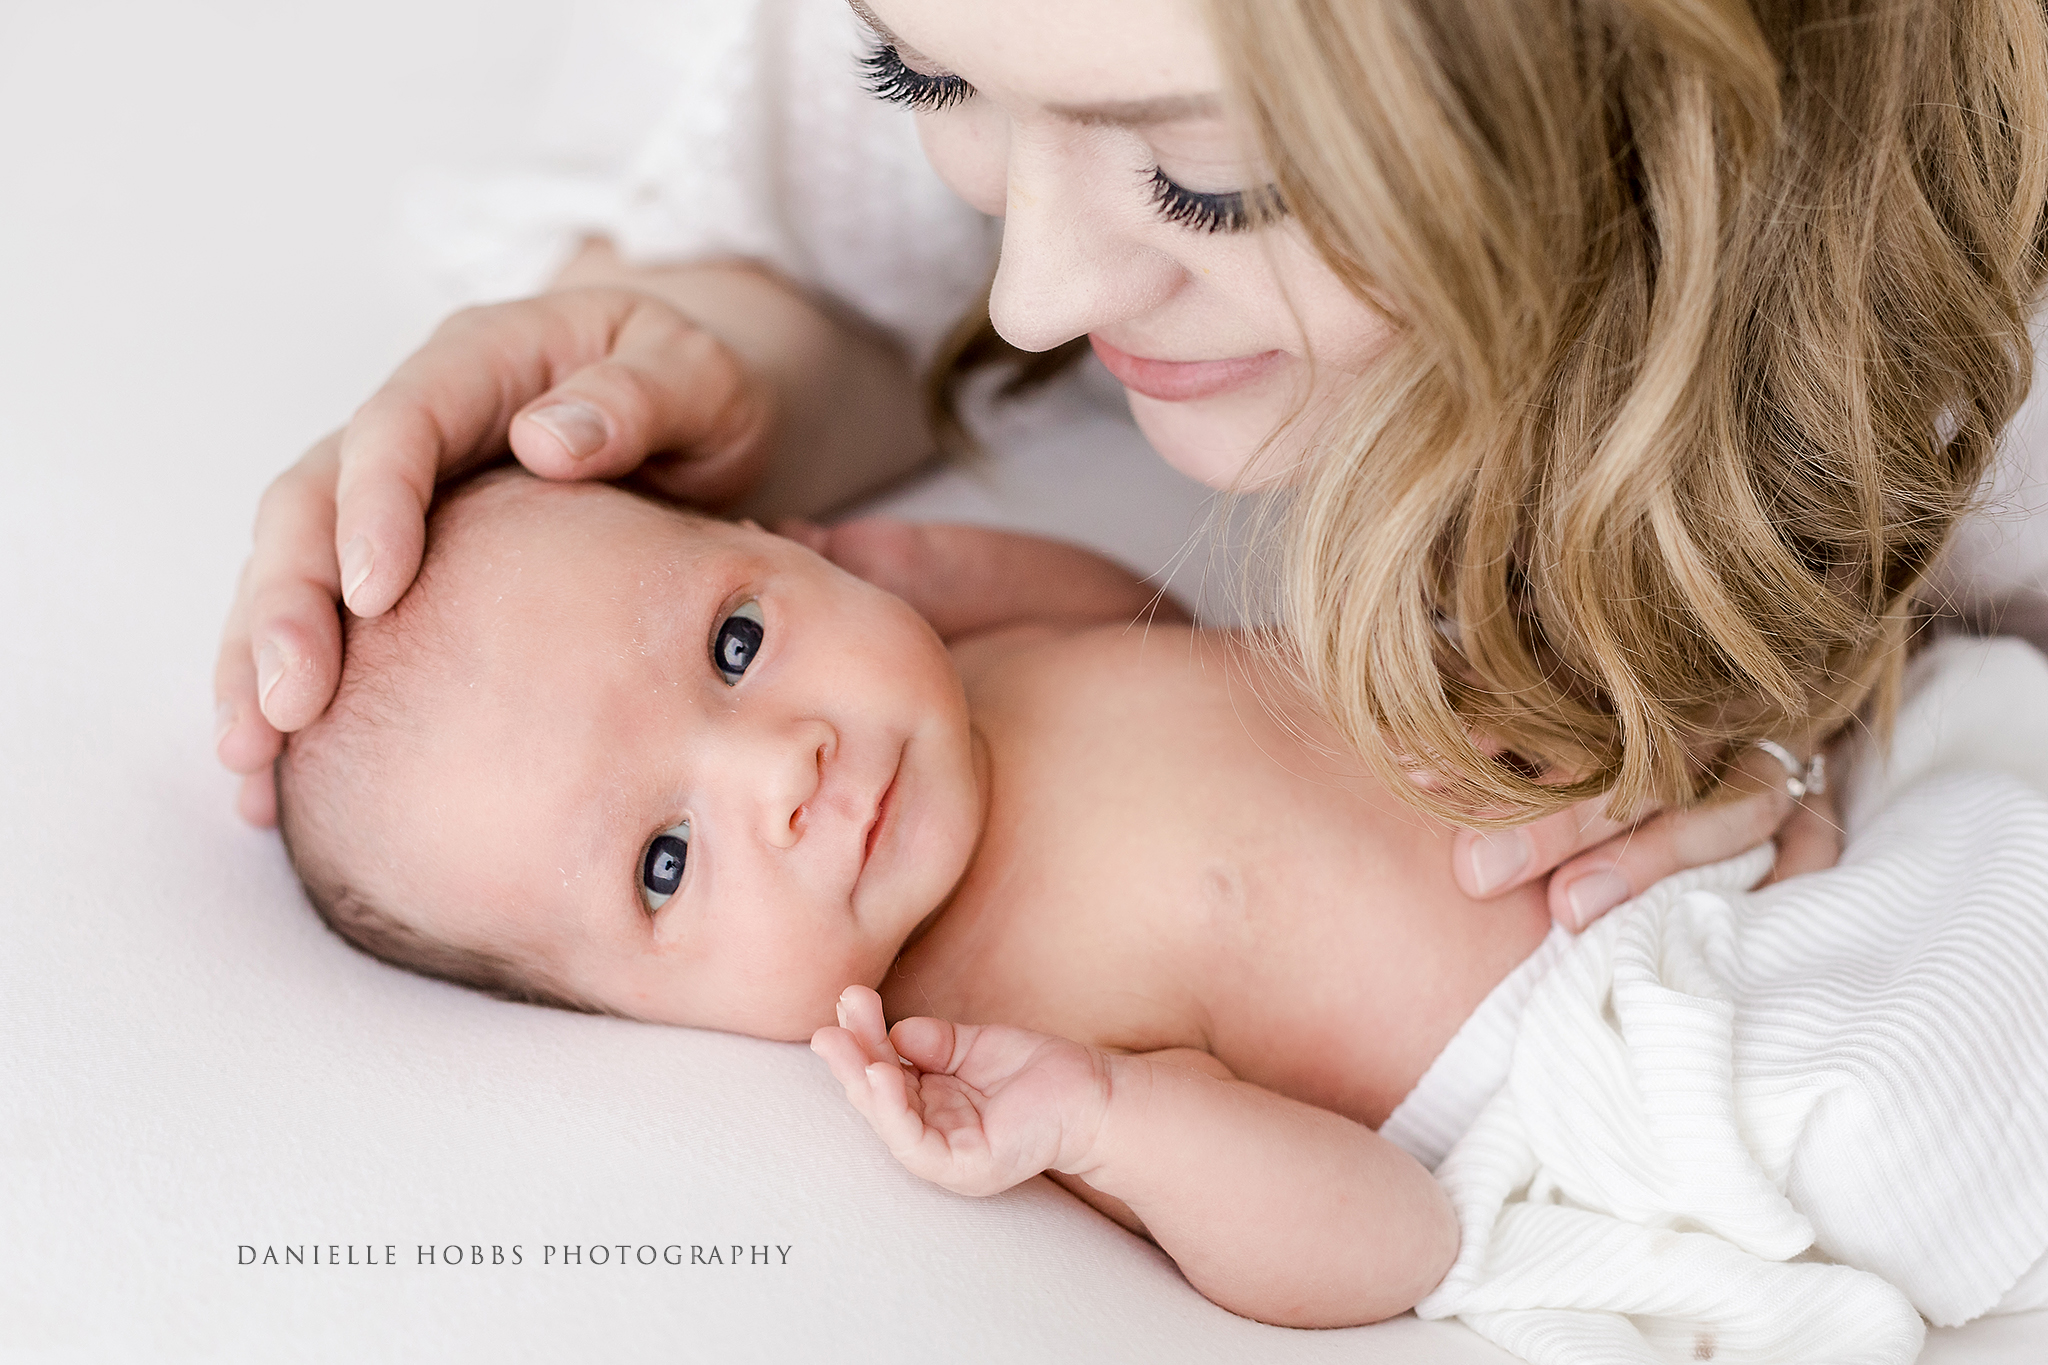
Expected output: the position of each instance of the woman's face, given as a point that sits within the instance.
(1098, 132)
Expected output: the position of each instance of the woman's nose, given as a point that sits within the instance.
(1070, 264)
(792, 764)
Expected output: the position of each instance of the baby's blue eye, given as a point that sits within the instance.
(661, 867)
(738, 641)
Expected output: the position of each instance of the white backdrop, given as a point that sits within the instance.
(201, 269)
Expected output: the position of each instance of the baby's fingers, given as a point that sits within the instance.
(879, 1091)
(860, 1015)
(848, 1060)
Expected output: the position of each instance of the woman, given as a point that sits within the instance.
(1631, 363)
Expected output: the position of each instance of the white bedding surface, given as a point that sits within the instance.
(200, 270)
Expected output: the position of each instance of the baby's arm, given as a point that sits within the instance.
(969, 579)
(1272, 1208)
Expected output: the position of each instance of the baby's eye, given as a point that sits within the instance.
(661, 867)
(737, 642)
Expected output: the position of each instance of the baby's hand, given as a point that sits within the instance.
(976, 1108)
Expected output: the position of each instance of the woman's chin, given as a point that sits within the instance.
(1220, 441)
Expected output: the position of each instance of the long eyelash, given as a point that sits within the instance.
(887, 78)
(1232, 211)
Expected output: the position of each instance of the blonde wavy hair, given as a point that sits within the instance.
(1709, 316)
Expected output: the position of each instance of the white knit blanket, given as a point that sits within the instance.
(1783, 1125)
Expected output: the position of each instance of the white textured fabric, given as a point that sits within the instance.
(698, 129)
(1721, 1101)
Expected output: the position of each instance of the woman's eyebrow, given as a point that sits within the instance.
(1159, 109)
(874, 21)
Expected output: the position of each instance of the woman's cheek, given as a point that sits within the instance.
(970, 149)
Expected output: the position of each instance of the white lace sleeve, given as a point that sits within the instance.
(694, 129)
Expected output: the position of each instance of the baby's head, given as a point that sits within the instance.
(614, 756)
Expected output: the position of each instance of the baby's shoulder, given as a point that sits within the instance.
(1095, 669)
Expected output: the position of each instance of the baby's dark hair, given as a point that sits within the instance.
(329, 770)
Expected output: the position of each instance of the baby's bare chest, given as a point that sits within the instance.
(1168, 864)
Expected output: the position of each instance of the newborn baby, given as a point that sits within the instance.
(1142, 928)
(1140, 925)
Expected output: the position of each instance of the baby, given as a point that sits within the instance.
(1140, 926)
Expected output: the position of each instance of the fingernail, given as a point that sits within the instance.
(1497, 857)
(356, 562)
(223, 721)
(578, 426)
(1593, 895)
(269, 668)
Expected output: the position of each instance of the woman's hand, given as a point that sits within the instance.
(979, 1107)
(592, 383)
(1595, 863)
(705, 382)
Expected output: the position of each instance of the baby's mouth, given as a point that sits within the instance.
(884, 805)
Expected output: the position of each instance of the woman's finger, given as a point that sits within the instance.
(1625, 866)
(665, 388)
(1489, 863)
(444, 410)
(1811, 841)
(256, 802)
(243, 740)
(281, 649)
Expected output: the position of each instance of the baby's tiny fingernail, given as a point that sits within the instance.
(1497, 857)
(578, 426)
(1593, 895)
(269, 668)
(356, 562)
(223, 721)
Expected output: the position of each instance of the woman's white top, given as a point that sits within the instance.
(688, 129)
(692, 129)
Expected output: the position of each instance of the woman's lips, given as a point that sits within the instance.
(1180, 381)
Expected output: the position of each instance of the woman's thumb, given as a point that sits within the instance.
(667, 387)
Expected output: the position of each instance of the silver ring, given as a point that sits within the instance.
(1801, 779)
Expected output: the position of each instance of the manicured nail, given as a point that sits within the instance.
(269, 668)
(356, 562)
(223, 721)
(578, 426)
(1497, 857)
(1593, 895)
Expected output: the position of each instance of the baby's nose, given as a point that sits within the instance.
(793, 775)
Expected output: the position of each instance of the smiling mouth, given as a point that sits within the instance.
(1182, 381)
